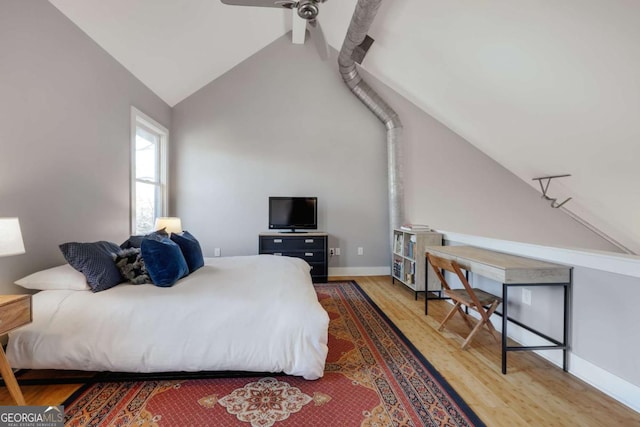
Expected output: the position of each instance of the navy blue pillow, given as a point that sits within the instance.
(164, 261)
(136, 241)
(190, 248)
(95, 261)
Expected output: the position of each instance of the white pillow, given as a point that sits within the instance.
(63, 277)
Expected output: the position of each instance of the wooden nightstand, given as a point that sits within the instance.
(15, 311)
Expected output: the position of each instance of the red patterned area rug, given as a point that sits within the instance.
(373, 377)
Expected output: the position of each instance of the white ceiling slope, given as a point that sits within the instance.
(176, 46)
(541, 86)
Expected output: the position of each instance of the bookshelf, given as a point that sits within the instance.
(408, 263)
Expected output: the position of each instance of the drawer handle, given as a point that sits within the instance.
(308, 254)
(308, 240)
(277, 253)
(277, 240)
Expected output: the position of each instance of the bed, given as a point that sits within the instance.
(250, 313)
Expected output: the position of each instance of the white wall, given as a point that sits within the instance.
(541, 87)
(64, 135)
(451, 185)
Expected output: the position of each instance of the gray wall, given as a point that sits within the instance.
(281, 123)
(605, 321)
(64, 135)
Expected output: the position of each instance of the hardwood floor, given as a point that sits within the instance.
(534, 392)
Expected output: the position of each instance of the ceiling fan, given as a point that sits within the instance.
(306, 9)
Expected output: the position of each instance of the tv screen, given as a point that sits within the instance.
(293, 213)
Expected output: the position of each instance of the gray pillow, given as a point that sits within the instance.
(131, 266)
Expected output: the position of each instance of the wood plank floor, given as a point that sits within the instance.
(534, 392)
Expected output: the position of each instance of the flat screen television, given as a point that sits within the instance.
(293, 213)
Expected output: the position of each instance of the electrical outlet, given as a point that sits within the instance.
(360, 250)
(526, 296)
(332, 251)
(338, 251)
(216, 252)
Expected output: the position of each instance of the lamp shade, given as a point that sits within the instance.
(10, 237)
(171, 224)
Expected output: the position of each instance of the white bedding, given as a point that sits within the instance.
(253, 313)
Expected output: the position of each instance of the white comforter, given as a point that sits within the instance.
(254, 313)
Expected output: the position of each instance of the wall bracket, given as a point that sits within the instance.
(545, 187)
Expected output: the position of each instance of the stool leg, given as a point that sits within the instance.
(473, 332)
(465, 317)
(449, 315)
(489, 324)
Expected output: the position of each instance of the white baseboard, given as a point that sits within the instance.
(359, 271)
(619, 389)
(616, 387)
(608, 383)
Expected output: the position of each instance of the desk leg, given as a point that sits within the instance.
(10, 379)
(504, 328)
(565, 353)
(426, 288)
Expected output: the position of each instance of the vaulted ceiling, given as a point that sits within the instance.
(543, 87)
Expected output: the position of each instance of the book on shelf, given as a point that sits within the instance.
(397, 268)
(398, 243)
(410, 246)
(414, 227)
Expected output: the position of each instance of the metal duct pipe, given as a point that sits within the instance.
(361, 20)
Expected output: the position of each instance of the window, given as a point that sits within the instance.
(148, 171)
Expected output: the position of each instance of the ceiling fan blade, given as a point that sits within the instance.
(298, 29)
(258, 3)
(318, 39)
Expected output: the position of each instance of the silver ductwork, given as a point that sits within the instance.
(361, 20)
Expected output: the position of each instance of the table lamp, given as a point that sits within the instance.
(10, 237)
(171, 224)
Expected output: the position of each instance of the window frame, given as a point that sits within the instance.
(138, 118)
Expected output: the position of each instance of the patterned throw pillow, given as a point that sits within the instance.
(95, 261)
(131, 266)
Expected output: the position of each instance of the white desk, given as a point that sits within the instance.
(511, 270)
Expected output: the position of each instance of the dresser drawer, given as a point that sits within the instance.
(298, 243)
(309, 256)
(14, 312)
(318, 269)
(311, 248)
